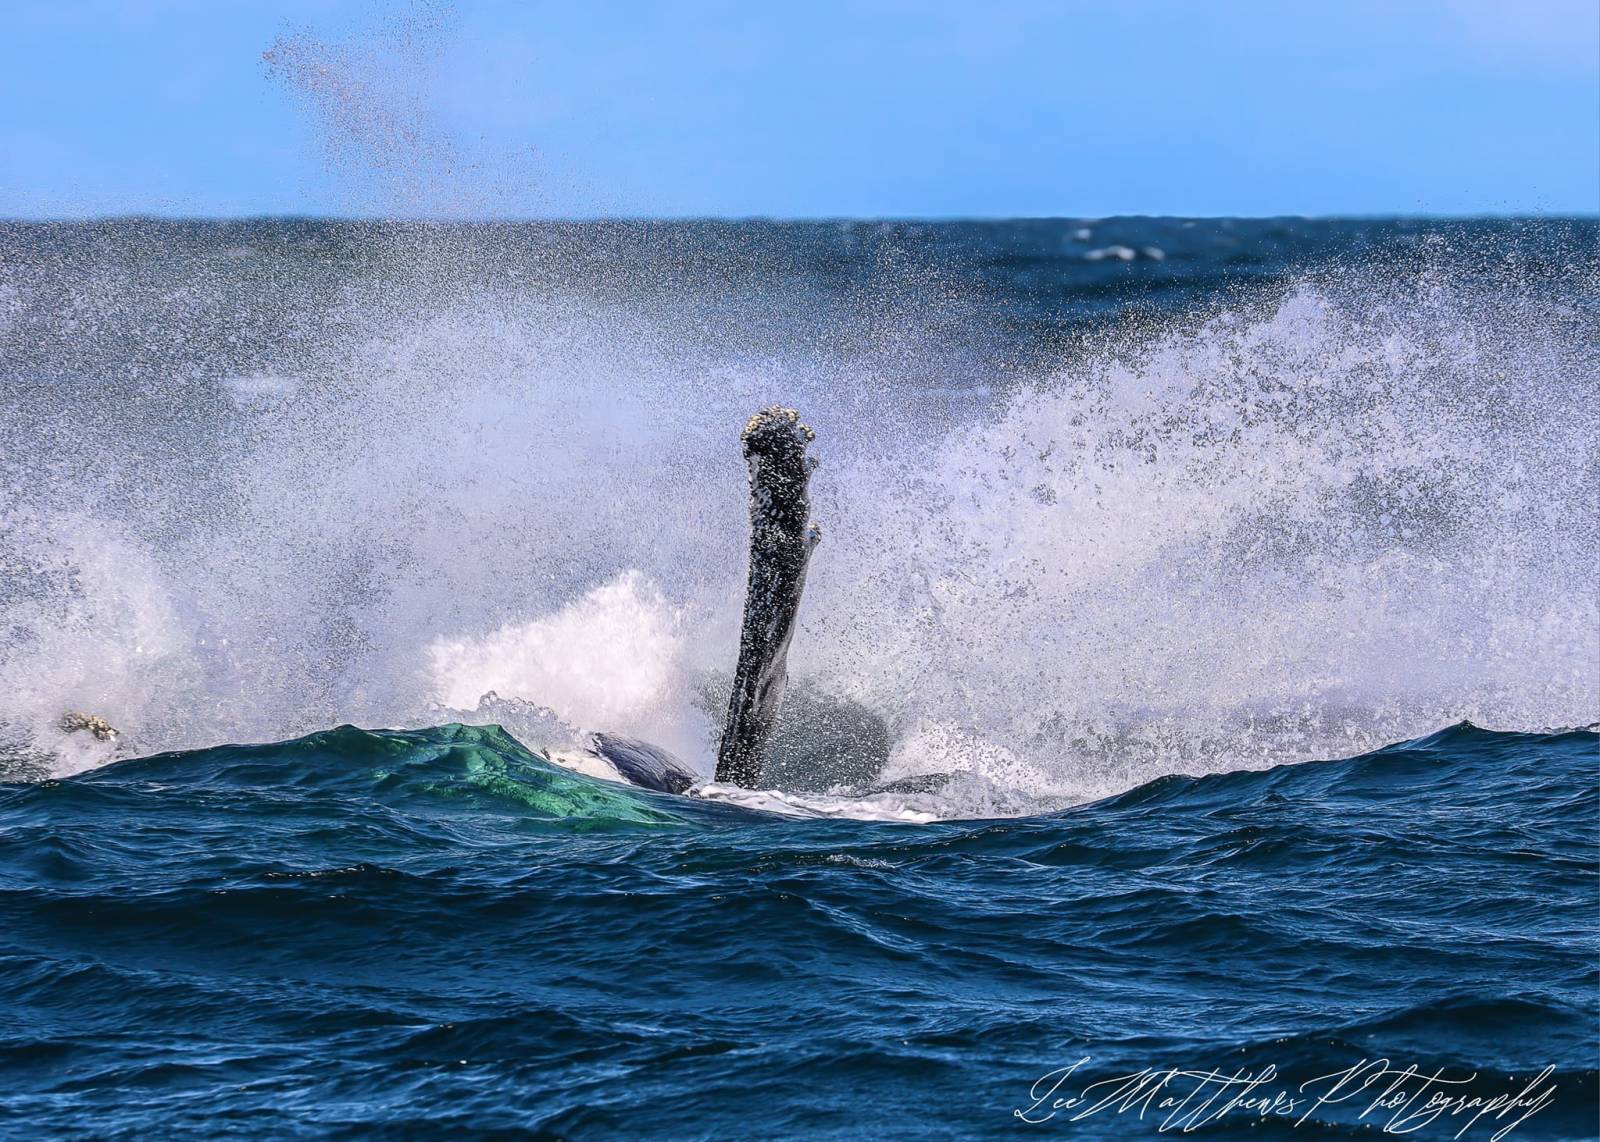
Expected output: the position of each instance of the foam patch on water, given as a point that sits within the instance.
(868, 808)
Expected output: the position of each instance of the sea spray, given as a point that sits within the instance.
(263, 480)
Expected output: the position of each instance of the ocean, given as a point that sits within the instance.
(1192, 715)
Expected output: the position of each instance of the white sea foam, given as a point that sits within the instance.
(613, 658)
(882, 807)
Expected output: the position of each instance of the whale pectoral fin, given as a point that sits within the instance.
(782, 537)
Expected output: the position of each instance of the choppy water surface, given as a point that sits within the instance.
(1130, 525)
(436, 931)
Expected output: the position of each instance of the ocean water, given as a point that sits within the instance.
(1235, 577)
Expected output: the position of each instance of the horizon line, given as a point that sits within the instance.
(775, 219)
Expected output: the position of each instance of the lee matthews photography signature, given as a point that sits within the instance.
(1398, 1101)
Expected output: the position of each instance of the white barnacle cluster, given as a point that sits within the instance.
(777, 419)
(775, 441)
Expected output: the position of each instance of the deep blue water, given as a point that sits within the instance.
(417, 933)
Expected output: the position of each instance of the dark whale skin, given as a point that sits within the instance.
(782, 538)
(642, 764)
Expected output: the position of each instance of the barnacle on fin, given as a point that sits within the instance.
(74, 720)
(776, 422)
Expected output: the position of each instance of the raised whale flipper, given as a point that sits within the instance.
(640, 763)
(781, 541)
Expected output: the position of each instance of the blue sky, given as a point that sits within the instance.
(926, 109)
